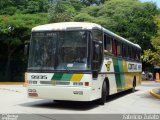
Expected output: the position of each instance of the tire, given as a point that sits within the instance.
(102, 100)
(134, 85)
(56, 101)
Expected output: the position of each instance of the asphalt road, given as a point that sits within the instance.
(13, 100)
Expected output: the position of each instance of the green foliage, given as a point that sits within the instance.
(63, 10)
(11, 7)
(18, 21)
(17, 17)
(14, 31)
(153, 56)
(93, 2)
(130, 19)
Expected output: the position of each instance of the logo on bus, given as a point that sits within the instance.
(132, 66)
(108, 65)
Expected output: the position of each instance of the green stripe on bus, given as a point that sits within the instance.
(66, 77)
(121, 75)
(118, 68)
(57, 76)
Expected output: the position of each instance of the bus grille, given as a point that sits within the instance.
(45, 82)
(55, 82)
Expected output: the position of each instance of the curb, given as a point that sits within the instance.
(145, 81)
(11, 83)
(158, 81)
(154, 94)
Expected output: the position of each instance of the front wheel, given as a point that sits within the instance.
(102, 100)
(134, 85)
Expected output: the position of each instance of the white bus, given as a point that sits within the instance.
(80, 61)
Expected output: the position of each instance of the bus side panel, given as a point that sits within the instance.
(108, 70)
(121, 73)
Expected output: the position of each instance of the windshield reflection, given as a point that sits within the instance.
(65, 50)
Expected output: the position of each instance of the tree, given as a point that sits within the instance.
(17, 17)
(33, 6)
(130, 19)
(14, 31)
(93, 2)
(152, 56)
(12, 7)
(63, 10)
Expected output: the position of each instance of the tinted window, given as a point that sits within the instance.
(133, 53)
(65, 50)
(119, 48)
(137, 56)
(97, 35)
(125, 50)
(129, 52)
(115, 48)
(108, 44)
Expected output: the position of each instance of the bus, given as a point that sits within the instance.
(80, 61)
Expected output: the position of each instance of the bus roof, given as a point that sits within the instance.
(66, 26)
(78, 26)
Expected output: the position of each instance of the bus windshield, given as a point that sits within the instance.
(63, 50)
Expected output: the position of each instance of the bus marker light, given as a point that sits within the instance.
(86, 83)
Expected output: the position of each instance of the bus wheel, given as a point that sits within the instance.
(102, 100)
(56, 101)
(134, 84)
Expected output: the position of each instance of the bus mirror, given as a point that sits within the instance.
(26, 48)
(97, 49)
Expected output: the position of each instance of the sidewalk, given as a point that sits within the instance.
(155, 93)
(11, 83)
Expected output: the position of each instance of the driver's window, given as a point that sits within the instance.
(97, 53)
(97, 35)
(97, 48)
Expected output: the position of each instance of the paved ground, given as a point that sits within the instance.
(13, 99)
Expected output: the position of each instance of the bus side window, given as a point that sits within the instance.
(124, 50)
(129, 52)
(138, 55)
(133, 53)
(108, 45)
(115, 48)
(105, 42)
(119, 48)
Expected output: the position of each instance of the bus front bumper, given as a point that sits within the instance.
(61, 93)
